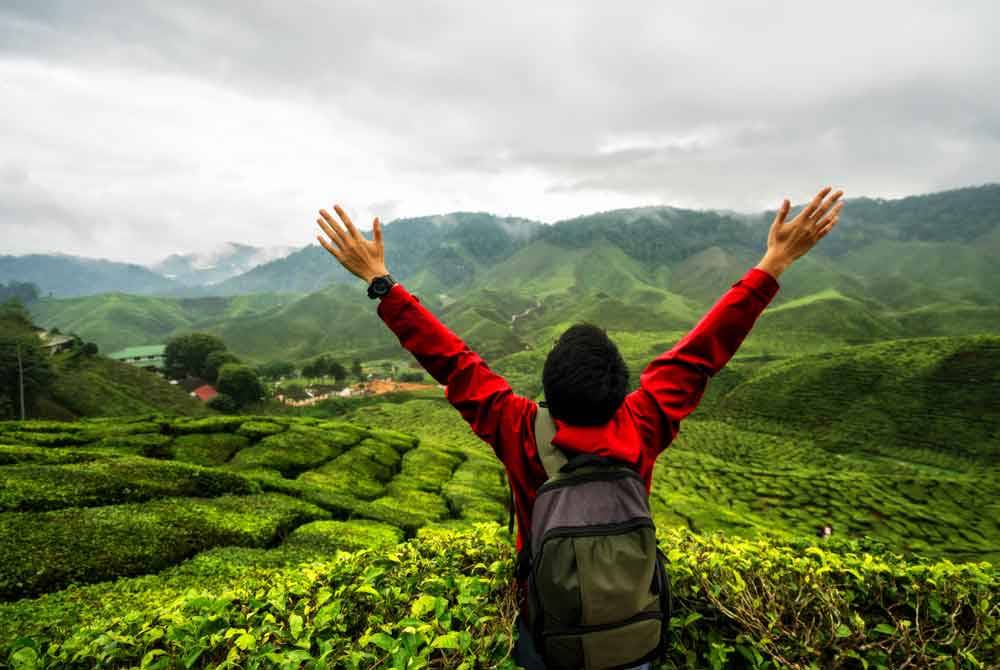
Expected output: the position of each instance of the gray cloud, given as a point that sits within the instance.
(185, 124)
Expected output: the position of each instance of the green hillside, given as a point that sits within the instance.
(98, 386)
(118, 320)
(632, 271)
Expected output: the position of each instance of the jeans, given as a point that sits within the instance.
(526, 656)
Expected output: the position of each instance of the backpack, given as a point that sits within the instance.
(597, 592)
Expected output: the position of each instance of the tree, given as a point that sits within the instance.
(356, 369)
(314, 368)
(214, 362)
(276, 369)
(36, 369)
(223, 403)
(324, 365)
(241, 383)
(90, 349)
(186, 354)
(337, 371)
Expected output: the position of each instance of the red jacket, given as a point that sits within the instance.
(670, 388)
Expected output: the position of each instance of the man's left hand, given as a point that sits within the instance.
(362, 258)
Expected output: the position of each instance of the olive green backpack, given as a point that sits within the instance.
(597, 591)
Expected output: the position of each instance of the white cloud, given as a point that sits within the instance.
(164, 127)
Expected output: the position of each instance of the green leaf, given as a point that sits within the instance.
(383, 641)
(843, 631)
(295, 625)
(24, 658)
(885, 629)
(150, 657)
(246, 641)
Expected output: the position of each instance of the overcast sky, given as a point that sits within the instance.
(134, 129)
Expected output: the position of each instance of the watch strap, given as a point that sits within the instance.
(374, 292)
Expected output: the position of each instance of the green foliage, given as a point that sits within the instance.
(45, 551)
(324, 365)
(214, 362)
(444, 599)
(21, 356)
(208, 449)
(98, 386)
(360, 472)
(274, 370)
(213, 424)
(224, 403)
(326, 537)
(256, 430)
(36, 488)
(14, 454)
(188, 354)
(296, 450)
(241, 383)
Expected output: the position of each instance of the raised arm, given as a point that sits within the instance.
(671, 386)
(484, 398)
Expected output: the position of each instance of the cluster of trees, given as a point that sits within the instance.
(205, 356)
(324, 366)
(21, 357)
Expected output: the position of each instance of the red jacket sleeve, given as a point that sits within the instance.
(484, 398)
(671, 386)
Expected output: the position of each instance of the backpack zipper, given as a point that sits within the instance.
(572, 480)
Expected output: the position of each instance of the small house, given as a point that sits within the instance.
(205, 392)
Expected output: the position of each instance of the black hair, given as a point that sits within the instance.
(585, 378)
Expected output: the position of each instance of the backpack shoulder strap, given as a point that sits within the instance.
(545, 429)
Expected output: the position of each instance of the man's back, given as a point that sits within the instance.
(670, 388)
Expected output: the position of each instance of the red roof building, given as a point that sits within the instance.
(205, 392)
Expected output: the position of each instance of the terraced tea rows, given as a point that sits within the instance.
(760, 479)
(93, 500)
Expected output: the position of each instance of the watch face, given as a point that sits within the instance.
(380, 285)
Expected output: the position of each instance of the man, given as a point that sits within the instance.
(584, 378)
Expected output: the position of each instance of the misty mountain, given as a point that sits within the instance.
(443, 250)
(70, 276)
(212, 266)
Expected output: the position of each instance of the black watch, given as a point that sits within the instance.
(380, 286)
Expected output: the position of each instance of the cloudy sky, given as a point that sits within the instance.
(134, 129)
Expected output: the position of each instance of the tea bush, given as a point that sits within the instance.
(127, 479)
(13, 454)
(258, 429)
(445, 600)
(207, 449)
(291, 452)
(326, 537)
(44, 551)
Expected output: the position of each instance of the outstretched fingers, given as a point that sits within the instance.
(779, 217)
(827, 224)
(821, 212)
(329, 247)
(352, 231)
(332, 228)
(810, 209)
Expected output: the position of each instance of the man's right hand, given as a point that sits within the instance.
(787, 242)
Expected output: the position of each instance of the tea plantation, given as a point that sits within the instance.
(311, 542)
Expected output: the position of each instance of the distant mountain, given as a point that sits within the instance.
(70, 276)
(218, 264)
(927, 267)
(443, 250)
